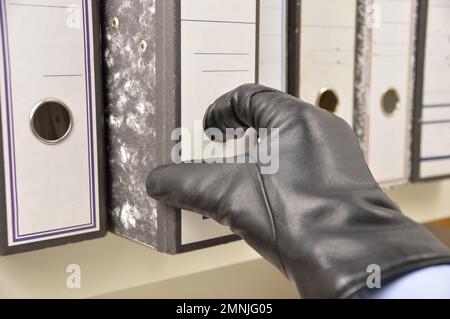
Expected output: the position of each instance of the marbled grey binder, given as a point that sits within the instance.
(136, 122)
(142, 89)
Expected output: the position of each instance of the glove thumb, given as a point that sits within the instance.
(198, 187)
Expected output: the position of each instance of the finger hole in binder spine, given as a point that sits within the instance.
(328, 100)
(51, 121)
(390, 102)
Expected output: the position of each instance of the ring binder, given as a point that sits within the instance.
(52, 189)
(191, 45)
(431, 143)
(384, 87)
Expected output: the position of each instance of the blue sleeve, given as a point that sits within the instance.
(427, 283)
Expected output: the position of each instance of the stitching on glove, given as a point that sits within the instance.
(272, 220)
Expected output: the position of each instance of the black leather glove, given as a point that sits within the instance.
(321, 219)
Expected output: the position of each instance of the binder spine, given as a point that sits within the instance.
(168, 74)
(365, 21)
(430, 161)
(42, 232)
(131, 113)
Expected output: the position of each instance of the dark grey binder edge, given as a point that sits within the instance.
(4, 248)
(168, 108)
(418, 93)
(418, 89)
(293, 44)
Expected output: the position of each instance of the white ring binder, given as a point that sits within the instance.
(51, 195)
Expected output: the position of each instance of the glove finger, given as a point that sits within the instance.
(251, 106)
(192, 186)
(231, 194)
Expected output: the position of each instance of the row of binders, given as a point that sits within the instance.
(91, 92)
(383, 66)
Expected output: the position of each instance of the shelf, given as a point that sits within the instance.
(113, 264)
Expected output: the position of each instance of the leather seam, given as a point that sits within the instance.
(272, 220)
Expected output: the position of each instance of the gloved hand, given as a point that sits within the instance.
(321, 219)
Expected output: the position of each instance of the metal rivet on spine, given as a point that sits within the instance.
(115, 23)
(142, 46)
